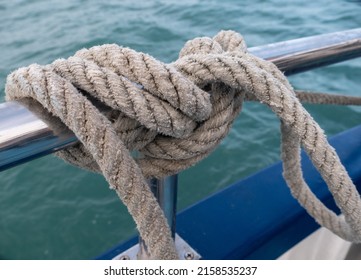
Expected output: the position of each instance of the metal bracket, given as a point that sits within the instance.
(185, 251)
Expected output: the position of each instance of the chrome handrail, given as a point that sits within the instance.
(303, 54)
(25, 136)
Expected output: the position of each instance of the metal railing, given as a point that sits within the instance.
(25, 136)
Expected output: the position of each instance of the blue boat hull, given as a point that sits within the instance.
(257, 218)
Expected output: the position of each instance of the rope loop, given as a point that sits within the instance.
(117, 100)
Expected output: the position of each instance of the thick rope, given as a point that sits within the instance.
(178, 115)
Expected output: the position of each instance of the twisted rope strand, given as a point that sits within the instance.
(97, 135)
(117, 100)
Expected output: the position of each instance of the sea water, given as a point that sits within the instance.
(52, 210)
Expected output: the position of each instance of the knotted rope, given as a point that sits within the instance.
(175, 118)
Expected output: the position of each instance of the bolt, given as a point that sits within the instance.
(189, 256)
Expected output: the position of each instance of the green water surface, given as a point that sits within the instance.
(51, 210)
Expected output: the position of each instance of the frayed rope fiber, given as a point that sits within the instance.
(117, 100)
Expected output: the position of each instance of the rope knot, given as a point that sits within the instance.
(172, 117)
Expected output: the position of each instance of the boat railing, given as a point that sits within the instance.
(25, 135)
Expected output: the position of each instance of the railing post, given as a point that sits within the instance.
(165, 191)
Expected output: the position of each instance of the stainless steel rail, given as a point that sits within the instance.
(300, 55)
(24, 136)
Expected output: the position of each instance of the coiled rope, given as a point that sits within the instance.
(175, 118)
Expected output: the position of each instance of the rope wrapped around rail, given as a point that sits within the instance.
(117, 100)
